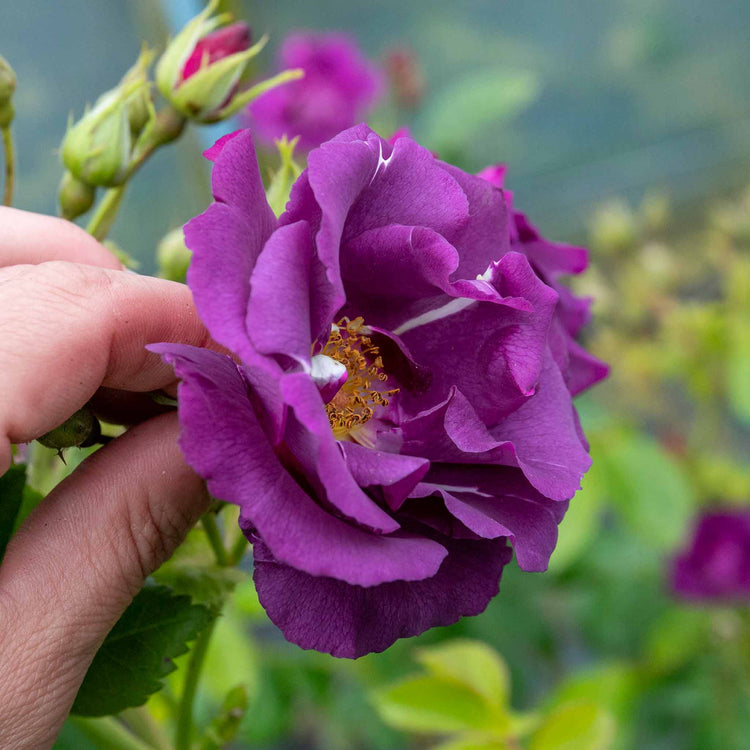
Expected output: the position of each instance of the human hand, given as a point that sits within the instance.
(72, 325)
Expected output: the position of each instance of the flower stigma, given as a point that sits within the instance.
(363, 391)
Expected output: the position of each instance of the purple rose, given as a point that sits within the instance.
(339, 88)
(398, 411)
(716, 565)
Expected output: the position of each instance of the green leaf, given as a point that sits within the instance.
(471, 664)
(648, 488)
(138, 651)
(477, 101)
(430, 705)
(12, 484)
(580, 725)
(612, 686)
(475, 741)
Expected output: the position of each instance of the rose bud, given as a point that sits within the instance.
(97, 149)
(173, 256)
(7, 81)
(78, 431)
(199, 73)
(75, 197)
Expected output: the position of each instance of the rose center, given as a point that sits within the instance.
(365, 388)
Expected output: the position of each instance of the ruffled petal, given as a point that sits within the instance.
(395, 474)
(492, 351)
(545, 437)
(499, 501)
(350, 621)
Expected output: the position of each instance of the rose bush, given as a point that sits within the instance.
(399, 406)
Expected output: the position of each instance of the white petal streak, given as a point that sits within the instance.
(453, 307)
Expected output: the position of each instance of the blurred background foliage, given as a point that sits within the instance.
(626, 125)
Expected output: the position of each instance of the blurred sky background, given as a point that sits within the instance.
(584, 99)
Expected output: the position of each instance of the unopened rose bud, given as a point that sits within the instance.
(7, 81)
(141, 107)
(199, 73)
(173, 256)
(75, 197)
(98, 147)
(78, 431)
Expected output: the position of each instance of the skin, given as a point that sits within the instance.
(73, 324)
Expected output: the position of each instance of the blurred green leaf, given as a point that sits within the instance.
(647, 487)
(475, 741)
(430, 705)
(738, 366)
(580, 725)
(678, 635)
(471, 664)
(612, 686)
(12, 484)
(484, 98)
(138, 651)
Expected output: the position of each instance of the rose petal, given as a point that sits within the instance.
(226, 241)
(350, 621)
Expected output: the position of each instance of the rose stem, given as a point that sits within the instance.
(108, 732)
(10, 165)
(185, 709)
(214, 537)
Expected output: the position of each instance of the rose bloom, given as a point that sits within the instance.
(338, 89)
(399, 406)
(716, 564)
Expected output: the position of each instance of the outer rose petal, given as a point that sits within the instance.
(544, 433)
(226, 241)
(350, 621)
(224, 443)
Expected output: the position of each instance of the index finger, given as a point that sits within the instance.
(66, 329)
(34, 238)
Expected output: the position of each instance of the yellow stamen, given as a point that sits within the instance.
(361, 394)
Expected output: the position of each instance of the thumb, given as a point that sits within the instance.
(76, 563)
